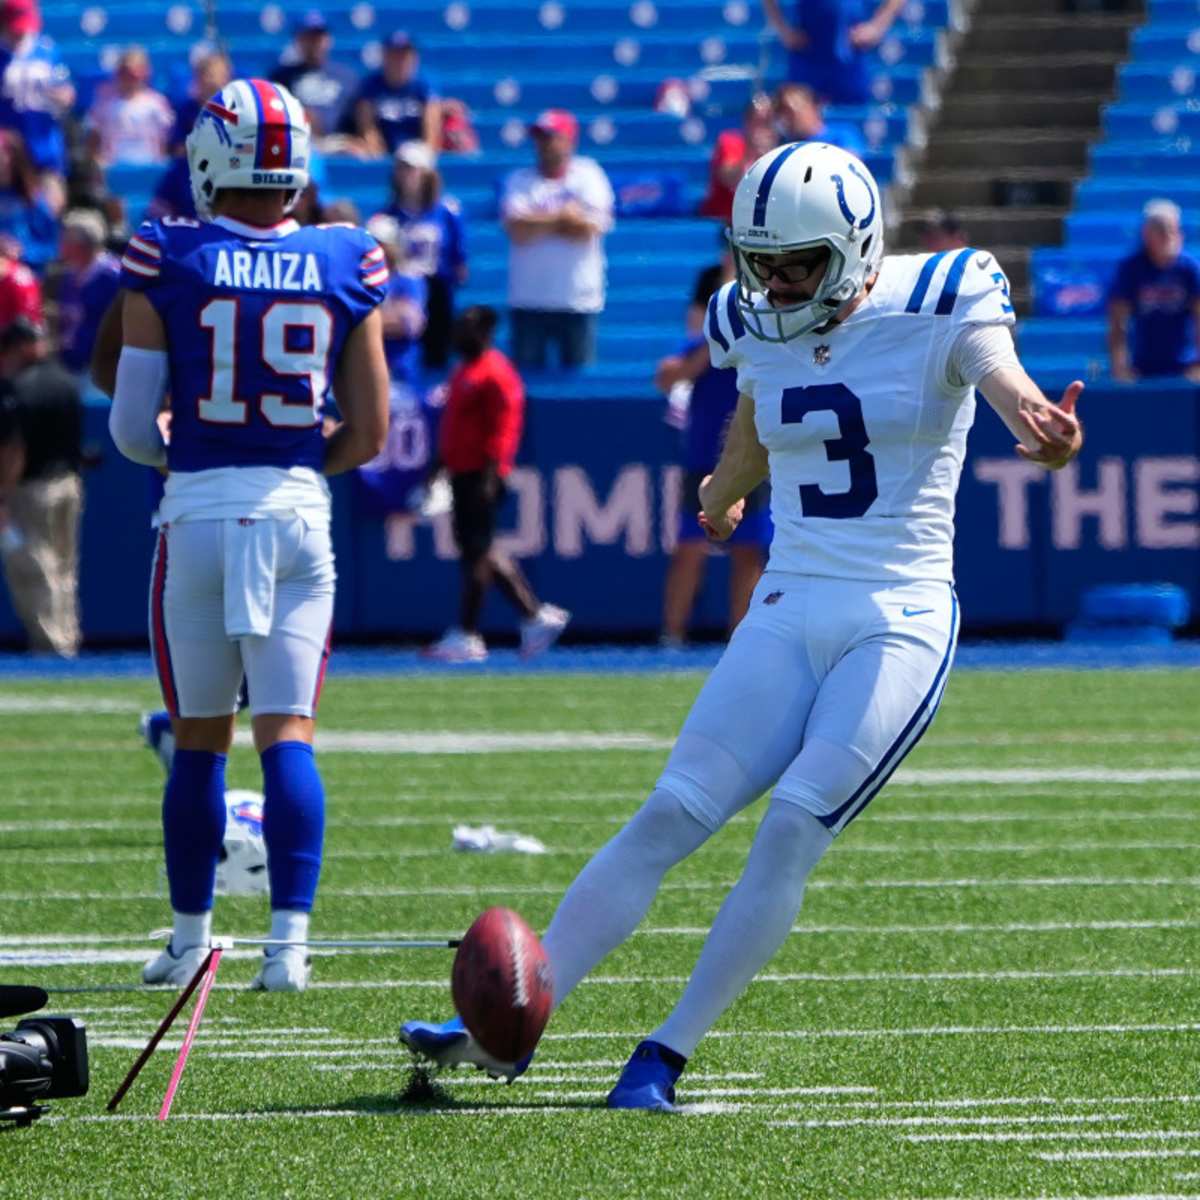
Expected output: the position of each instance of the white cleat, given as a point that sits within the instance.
(543, 629)
(175, 969)
(458, 646)
(288, 970)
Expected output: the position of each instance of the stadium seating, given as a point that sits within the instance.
(1151, 148)
(507, 59)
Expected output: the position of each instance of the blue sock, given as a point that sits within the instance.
(193, 827)
(293, 824)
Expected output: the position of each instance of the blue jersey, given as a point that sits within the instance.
(83, 299)
(404, 353)
(1162, 331)
(714, 397)
(399, 111)
(31, 73)
(255, 323)
(434, 240)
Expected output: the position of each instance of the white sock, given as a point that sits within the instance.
(287, 925)
(191, 929)
(611, 894)
(752, 924)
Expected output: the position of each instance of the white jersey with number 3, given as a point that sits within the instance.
(866, 425)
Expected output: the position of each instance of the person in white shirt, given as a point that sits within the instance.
(129, 122)
(556, 215)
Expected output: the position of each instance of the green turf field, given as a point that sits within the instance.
(993, 992)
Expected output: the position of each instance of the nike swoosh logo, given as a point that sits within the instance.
(915, 612)
(984, 262)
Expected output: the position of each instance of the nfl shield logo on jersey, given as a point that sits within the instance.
(821, 355)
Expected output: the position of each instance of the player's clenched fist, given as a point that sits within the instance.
(718, 526)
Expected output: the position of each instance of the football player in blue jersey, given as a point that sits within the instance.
(245, 320)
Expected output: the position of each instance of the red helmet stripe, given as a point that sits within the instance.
(274, 143)
(224, 113)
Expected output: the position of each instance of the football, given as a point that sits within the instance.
(501, 984)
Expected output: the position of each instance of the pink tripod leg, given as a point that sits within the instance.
(210, 970)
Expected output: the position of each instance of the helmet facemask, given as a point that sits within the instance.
(783, 322)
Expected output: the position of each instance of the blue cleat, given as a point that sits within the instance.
(451, 1043)
(648, 1079)
(158, 735)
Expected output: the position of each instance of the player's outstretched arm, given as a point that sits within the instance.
(1047, 434)
(741, 468)
(361, 386)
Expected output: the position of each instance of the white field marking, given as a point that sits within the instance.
(942, 1119)
(943, 776)
(1068, 737)
(916, 1031)
(153, 854)
(441, 741)
(1062, 1135)
(554, 889)
(709, 1093)
(1039, 816)
(1109, 1155)
(79, 705)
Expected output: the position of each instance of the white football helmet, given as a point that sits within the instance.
(806, 194)
(251, 134)
(242, 869)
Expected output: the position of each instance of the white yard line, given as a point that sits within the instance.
(442, 741)
(79, 705)
(942, 1119)
(554, 889)
(1116, 1155)
(1062, 1135)
(917, 1031)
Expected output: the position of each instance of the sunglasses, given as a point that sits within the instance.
(790, 272)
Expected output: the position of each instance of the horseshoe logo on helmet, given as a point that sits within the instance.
(839, 183)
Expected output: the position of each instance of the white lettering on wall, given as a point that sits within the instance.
(580, 517)
(1012, 478)
(1071, 505)
(1157, 502)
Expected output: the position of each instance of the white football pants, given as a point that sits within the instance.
(241, 598)
(824, 688)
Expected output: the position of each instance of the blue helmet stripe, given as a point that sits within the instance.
(764, 184)
(731, 311)
(258, 133)
(949, 296)
(923, 281)
(714, 325)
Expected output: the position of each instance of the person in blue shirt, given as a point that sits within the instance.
(395, 104)
(1154, 303)
(800, 117)
(29, 205)
(828, 42)
(704, 399)
(435, 243)
(35, 86)
(86, 288)
(323, 86)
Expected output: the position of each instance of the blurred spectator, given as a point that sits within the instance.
(129, 122)
(556, 215)
(41, 493)
(395, 104)
(20, 292)
(323, 86)
(29, 206)
(341, 211)
(173, 192)
(210, 73)
(800, 117)
(828, 41)
(89, 281)
(481, 430)
(435, 243)
(403, 308)
(733, 154)
(458, 134)
(1154, 304)
(36, 92)
(942, 231)
(702, 400)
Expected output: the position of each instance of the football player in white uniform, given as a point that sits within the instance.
(857, 376)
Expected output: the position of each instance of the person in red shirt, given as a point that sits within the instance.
(480, 433)
(20, 292)
(735, 150)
